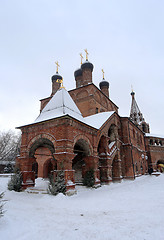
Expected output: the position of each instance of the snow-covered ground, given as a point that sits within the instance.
(120, 211)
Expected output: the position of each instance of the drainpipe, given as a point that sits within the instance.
(131, 150)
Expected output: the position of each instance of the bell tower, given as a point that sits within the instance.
(136, 116)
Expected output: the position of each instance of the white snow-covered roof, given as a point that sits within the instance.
(61, 104)
(97, 120)
(153, 135)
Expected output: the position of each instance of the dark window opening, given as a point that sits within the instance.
(134, 135)
(156, 142)
(160, 142)
(143, 127)
(151, 141)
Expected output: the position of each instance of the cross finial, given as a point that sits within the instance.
(81, 57)
(61, 82)
(103, 73)
(86, 54)
(132, 88)
(57, 66)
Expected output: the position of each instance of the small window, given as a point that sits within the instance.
(137, 136)
(160, 142)
(143, 127)
(141, 168)
(136, 168)
(134, 135)
(156, 142)
(97, 110)
(151, 141)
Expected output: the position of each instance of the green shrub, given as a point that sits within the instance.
(57, 186)
(15, 182)
(89, 179)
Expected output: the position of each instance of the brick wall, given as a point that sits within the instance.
(91, 100)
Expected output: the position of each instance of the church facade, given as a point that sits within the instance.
(81, 130)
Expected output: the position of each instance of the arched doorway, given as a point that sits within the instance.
(81, 149)
(42, 151)
(35, 168)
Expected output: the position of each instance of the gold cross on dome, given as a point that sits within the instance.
(103, 73)
(86, 54)
(61, 82)
(132, 88)
(81, 57)
(57, 66)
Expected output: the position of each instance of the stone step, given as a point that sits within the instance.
(36, 191)
(41, 186)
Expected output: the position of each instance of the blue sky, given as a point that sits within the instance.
(124, 37)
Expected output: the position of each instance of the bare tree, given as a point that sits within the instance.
(9, 146)
(1, 204)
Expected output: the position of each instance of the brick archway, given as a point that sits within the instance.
(103, 133)
(51, 139)
(83, 137)
(82, 158)
(44, 157)
(41, 150)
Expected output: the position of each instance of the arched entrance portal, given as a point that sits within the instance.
(81, 149)
(42, 152)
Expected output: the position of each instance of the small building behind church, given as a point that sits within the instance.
(81, 129)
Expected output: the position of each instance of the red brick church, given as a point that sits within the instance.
(81, 129)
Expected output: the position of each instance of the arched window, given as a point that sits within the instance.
(112, 133)
(143, 127)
